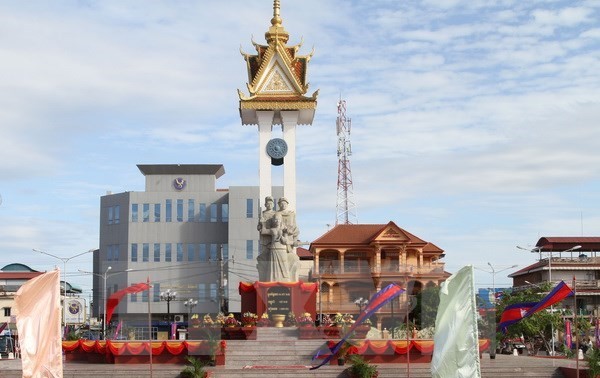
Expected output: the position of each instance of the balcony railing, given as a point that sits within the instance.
(353, 267)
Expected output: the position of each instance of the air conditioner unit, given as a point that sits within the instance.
(179, 318)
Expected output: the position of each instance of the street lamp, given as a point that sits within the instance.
(104, 277)
(493, 338)
(361, 302)
(65, 260)
(190, 303)
(168, 296)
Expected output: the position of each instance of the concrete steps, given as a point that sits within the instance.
(278, 353)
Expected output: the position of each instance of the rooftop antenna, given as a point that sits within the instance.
(345, 208)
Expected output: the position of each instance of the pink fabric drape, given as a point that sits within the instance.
(38, 322)
(115, 298)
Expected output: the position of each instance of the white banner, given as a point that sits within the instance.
(75, 310)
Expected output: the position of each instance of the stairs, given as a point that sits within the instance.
(277, 352)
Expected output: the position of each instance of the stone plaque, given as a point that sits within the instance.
(279, 300)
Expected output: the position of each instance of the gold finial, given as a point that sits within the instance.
(276, 32)
(276, 20)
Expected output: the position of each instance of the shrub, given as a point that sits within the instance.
(361, 368)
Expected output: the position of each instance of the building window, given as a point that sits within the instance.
(202, 212)
(168, 210)
(190, 251)
(134, 248)
(179, 210)
(145, 296)
(249, 249)
(6, 311)
(213, 291)
(225, 212)
(112, 252)
(156, 252)
(213, 213)
(157, 212)
(156, 296)
(225, 252)
(213, 252)
(202, 292)
(117, 216)
(168, 252)
(146, 212)
(145, 252)
(179, 251)
(202, 252)
(191, 208)
(249, 208)
(134, 212)
(110, 215)
(133, 297)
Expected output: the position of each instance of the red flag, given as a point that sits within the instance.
(518, 311)
(2, 326)
(115, 298)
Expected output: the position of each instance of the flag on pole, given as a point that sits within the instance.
(38, 322)
(2, 326)
(516, 312)
(568, 337)
(456, 341)
(377, 301)
(115, 298)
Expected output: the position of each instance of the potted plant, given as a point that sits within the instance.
(305, 320)
(195, 369)
(593, 360)
(361, 369)
(290, 320)
(249, 319)
(264, 320)
(343, 353)
(231, 321)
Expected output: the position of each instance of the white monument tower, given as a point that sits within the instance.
(277, 85)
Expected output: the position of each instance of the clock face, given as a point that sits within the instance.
(277, 148)
(179, 183)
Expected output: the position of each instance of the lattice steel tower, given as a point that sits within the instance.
(345, 208)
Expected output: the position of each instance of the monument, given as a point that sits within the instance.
(277, 84)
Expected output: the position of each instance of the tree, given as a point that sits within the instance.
(537, 326)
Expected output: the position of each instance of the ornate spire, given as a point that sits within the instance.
(276, 32)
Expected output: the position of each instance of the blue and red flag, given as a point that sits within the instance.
(516, 312)
(377, 301)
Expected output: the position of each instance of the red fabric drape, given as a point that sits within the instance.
(115, 298)
(70, 346)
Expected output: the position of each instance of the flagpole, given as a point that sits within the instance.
(575, 326)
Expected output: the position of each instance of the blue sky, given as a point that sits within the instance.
(475, 123)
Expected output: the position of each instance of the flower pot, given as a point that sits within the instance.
(341, 361)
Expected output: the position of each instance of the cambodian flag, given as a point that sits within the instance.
(515, 312)
(377, 301)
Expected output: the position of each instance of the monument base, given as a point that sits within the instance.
(279, 298)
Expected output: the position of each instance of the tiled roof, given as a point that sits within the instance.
(562, 243)
(304, 253)
(343, 234)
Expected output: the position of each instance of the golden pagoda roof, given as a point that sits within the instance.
(277, 75)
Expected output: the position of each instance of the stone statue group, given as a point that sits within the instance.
(278, 260)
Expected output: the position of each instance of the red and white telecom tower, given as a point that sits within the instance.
(345, 208)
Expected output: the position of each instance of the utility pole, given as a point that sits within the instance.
(221, 290)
